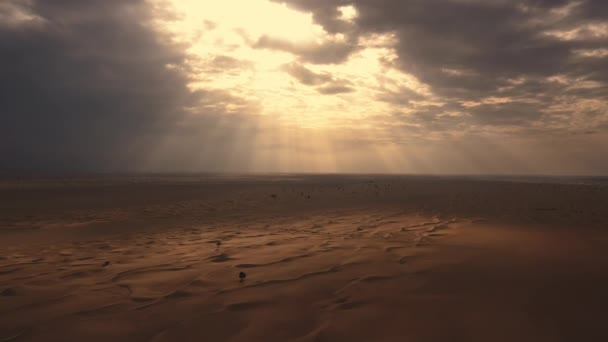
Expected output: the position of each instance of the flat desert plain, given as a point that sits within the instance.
(303, 258)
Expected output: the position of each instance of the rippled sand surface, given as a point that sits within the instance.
(324, 258)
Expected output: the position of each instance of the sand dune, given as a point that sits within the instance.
(326, 258)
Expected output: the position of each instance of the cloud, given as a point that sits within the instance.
(220, 63)
(104, 86)
(335, 89)
(86, 85)
(327, 84)
(306, 76)
(471, 50)
(330, 52)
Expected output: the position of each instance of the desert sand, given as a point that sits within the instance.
(321, 258)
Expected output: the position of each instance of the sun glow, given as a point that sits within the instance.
(223, 37)
(255, 17)
(297, 104)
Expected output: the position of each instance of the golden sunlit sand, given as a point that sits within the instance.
(304, 258)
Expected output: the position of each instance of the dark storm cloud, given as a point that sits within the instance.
(468, 50)
(86, 85)
(487, 41)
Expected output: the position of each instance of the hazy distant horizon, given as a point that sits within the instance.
(194, 177)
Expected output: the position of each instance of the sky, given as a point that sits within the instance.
(353, 86)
